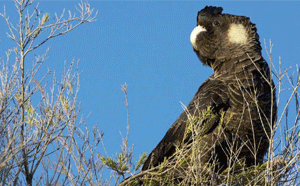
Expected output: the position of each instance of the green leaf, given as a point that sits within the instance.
(45, 18)
(110, 163)
(141, 161)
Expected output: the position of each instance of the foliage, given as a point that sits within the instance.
(43, 141)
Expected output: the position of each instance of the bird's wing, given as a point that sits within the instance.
(212, 93)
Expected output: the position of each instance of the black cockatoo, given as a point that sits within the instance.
(240, 92)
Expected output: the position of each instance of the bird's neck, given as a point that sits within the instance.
(236, 64)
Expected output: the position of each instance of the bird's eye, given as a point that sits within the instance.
(216, 23)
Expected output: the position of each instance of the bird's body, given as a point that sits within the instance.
(240, 94)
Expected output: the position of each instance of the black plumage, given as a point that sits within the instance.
(240, 91)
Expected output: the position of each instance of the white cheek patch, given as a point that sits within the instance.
(237, 34)
(195, 33)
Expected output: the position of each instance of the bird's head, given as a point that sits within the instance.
(219, 37)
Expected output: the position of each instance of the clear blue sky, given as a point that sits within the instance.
(146, 44)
